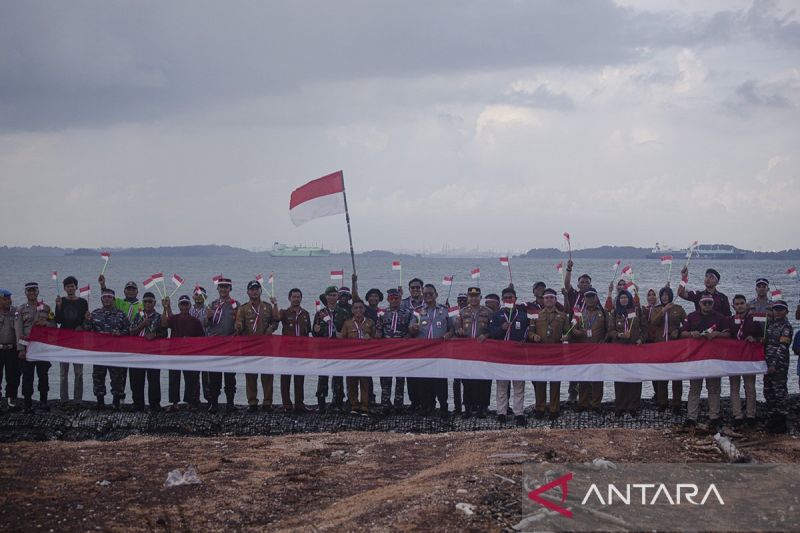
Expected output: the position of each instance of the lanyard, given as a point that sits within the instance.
(258, 315)
(218, 313)
(509, 318)
(359, 331)
(430, 322)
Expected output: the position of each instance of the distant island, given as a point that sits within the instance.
(215, 250)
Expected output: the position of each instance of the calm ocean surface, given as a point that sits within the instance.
(311, 275)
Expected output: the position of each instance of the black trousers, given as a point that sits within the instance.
(10, 366)
(415, 391)
(214, 382)
(137, 379)
(191, 386)
(433, 390)
(40, 368)
(477, 393)
(457, 396)
(337, 383)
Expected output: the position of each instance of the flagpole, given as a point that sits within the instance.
(450, 288)
(349, 233)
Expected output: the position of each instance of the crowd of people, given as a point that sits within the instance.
(580, 317)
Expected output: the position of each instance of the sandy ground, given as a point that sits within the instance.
(344, 481)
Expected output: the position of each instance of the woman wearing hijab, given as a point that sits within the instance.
(666, 320)
(624, 327)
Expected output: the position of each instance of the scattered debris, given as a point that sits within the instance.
(467, 508)
(176, 478)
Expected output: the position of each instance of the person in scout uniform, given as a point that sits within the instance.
(666, 320)
(549, 328)
(296, 322)
(328, 323)
(33, 313)
(358, 327)
(473, 322)
(256, 317)
(9, 357)
(110, 321)
(625, 327)
(591, 328)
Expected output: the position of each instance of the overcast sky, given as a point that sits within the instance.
(497, 124)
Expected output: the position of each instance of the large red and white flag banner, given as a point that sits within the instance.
(463, 358)
(318, 198)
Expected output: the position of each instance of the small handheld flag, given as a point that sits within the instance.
(569, 244)
(666, 260)
(560, 268)
(260, 280)
(504, 261)
(85, 292)
(55, 278)
(105, 256)
(337, 275)
(791, 272)
(396, 265)
(447, 280)
(216, 279)
(178, 281)
(627, 271)
(690, 252)
(615, 266)
(776, 294)
(148, 283)
(453, 311)
(271, 281)
(475, 273)
(317, 305)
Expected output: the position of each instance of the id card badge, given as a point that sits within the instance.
(589, 333)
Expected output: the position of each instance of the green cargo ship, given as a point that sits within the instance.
(284, 250)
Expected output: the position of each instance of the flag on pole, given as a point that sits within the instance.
(627, 270)
(216, 279)
(684, 281)
(321, 197)
(630, 287)
(666, 260)
(504, 261)
(85, 291)
(271, 278)
(105, 256)
(453, 311)
(337, 275)
(560, 268)
(566, 235)
(149, 282)
(776, 294)
(447, 280)
(177, 280)
(55, 275)
(396, 265)
(759, 317)
(260, 280)
(615, 266)
(576, 312)
(791, 272)
(475, 273)
(158, 277)
(317, 305)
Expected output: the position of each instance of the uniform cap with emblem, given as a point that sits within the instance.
(331, 289)
(391, 292)
(131, 285)
(344, 290)
(713, 273)
(474, 291)
(184, 300)
(225, 281)
(253, 284)
(5, 293)
(762, 281)
(781, 304)
(31, 285)
(107, 292)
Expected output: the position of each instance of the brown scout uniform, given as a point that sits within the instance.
(257, 320)
(593, 325)
(358, 330)
(295, 324)
(477, 392)
(674, 319)
(550, 326)
(627, 396)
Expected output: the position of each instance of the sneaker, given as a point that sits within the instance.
(300, 408)
(501, 419)
(171, 408)
(252, 408)
(12, 404)
(354, 412)
(520, 421)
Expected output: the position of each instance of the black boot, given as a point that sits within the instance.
(115, 403)
(43, 402)
(101, 402)
(213, 406)
(27, 405)
(321, 405)
(230, 407)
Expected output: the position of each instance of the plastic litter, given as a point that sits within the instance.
(604, 464)
(176, 477)
(467, 508)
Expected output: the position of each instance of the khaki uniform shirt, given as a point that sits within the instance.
(255, 319)
(358, 330)
(475, 322)
(550, 325)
